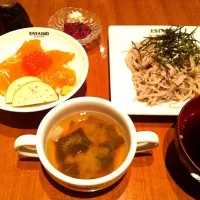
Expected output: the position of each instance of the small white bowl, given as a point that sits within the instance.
(144, 141)
(51, 39)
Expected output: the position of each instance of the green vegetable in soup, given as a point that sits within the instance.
(115, 143)
(104, 133)
(111, 131)
(73, 143)
(106, 151)
(105, 157)
(70, 170)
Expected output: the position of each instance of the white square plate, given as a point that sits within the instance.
(123, 93)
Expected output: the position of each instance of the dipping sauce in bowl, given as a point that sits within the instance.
(190, 135)
(187, 136)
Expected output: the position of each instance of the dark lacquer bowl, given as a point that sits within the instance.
(187, 137)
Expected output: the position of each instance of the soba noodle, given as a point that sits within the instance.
(156, 83)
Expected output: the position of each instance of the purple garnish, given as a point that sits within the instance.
(77, 30)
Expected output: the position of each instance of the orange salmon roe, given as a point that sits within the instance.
(35, 62)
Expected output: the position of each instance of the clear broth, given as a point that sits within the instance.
(86, 145)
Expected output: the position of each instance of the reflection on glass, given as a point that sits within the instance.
(103, 51)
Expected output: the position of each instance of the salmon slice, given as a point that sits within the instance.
(58, 77)
(28, 46)
(7, 76)
(10, 70)
(60, 58)
(5, 81)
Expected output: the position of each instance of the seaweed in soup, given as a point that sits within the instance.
(115, 142)
(106, 151)
(113, 139)
(111, 131)
(105, 157)
(70, 170)
(74, 143)
(103, 133)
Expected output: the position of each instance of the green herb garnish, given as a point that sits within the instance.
(174, 46)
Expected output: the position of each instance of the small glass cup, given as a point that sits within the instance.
(73, 15)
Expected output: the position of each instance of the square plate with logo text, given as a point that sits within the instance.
(123, 93)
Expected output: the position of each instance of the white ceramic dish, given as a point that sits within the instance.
(143, 140)
(123, 93)
(51, 39)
